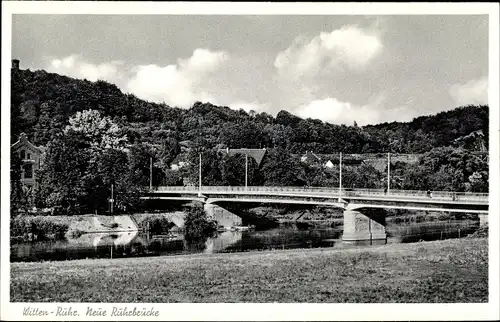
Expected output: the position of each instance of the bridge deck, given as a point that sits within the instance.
(441, 197)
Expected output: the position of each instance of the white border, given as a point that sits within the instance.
(247, 312)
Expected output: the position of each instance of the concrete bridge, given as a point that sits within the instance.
(364, 218)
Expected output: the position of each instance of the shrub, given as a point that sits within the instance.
(159, 225)
(76, 233)
(37, 229)
(198, 225)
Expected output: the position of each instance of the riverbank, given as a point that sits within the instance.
(449, 271)
(27, 228)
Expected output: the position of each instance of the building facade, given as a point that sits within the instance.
(31, 158)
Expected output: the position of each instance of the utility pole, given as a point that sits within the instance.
(388, 171)
(340, 176)
(246, 171)
(151, 173)
(112, 200)
(199, 179)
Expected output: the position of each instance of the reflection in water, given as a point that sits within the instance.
(129, 244)
(222, 241)
(428, 231)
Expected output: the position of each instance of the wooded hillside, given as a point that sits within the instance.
(43, 102)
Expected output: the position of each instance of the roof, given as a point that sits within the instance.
(310, 157)
(23, 141)
(186, 143)
(256, 154)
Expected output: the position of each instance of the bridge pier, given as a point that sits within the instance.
(483, 220)
(364, 227)
(223, 216)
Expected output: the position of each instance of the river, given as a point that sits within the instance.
(286, 236)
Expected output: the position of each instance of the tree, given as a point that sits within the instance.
(168, 150)
(84, 162)
(211, 161)
(63, 173)
(362, 176)
(99, 131)
(281, 169)
(478, 182)
(18, 198)
(317, 176)
(233, 170)
(246, 134)
(140, 157)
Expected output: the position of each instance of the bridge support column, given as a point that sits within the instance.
(483, 220)
(367, 227)
(222, 216)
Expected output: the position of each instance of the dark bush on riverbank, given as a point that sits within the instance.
(36, 229)
(198, 226)
(157, 224)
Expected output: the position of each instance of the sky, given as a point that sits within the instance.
(338, 68)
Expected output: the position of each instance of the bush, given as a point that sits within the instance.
(156, 224)
(198, 225)
(37, 229)
(159, 225)
(76, 233)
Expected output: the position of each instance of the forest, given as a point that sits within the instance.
(94, 136)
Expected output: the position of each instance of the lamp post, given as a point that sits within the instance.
(199, 178)
(111, 200)
(246, 171)
(151, 173)
(340, 176)
(388, 171)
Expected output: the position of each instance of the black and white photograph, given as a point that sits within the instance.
(156, 154)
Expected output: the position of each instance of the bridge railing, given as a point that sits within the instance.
(438, 195)
(249, 189)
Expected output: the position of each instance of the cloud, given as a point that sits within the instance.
(334, 111)
(76, 66)
(177, 84)
(349, 47)
(473, 92)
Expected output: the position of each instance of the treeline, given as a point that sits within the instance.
(93, 157)
(43, 102)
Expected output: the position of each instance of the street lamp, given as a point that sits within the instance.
(389, 165)
(199, 179)
(246, 171)
(388, 171)
(151, 173)
(340, 176)
(111, 200)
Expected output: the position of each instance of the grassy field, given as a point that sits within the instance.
(428, 272)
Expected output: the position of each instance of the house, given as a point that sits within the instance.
(31, 158)
(178, 165)
(329, 164)
(310, 158)
(256, 154)
(186, 145)
(473, 141)
(179, 161)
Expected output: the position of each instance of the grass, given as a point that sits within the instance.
(429, 272)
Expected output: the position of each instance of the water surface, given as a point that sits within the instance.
(286, 236)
